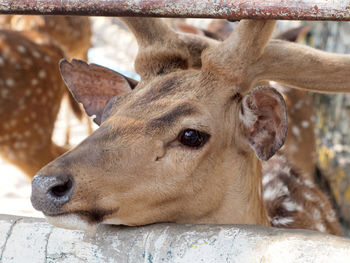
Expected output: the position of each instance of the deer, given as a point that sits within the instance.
(72, 34)
(31, 89)
(187, 142)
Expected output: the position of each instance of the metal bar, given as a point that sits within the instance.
(232, 9)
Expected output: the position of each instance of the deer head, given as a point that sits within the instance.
(185, 143)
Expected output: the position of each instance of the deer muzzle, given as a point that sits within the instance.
(50, 193)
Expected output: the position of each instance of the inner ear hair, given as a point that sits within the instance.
(263, 114)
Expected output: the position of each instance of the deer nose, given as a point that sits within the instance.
(50, 193)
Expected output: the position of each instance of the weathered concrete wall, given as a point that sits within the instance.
(33, 240)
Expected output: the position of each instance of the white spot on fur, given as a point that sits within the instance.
(2, 62)
(298, 181)
(331, 216)
(275, 191)
(34, 82)
(305, 124)
(308, 196)
(282, 220)
(267, 178)
(320, 227)
(47, 59)
(289, 205)
(316, 214)
(28, 92)
(10, 82)
(21, 49)
(296, 131)
(42, 74)
(308, 183)
(299, 207)
(36, 54)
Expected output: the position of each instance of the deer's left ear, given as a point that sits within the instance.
(94, 85)
(264, 118)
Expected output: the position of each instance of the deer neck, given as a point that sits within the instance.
(242, 202)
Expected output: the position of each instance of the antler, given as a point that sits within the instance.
(303, 67)
(161, 49)
(232, 58)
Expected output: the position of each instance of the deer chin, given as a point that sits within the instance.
(75, 221)
(113, 221)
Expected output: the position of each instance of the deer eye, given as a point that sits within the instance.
(193, 138)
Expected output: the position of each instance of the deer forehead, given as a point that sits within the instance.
(166, 100)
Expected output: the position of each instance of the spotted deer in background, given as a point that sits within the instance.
(185, 144)
(31, 88)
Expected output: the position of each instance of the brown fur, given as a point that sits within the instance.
(148, 175)
(71, 33)
(300, 145)
(25, 132)
(293, 201)
(30, 52)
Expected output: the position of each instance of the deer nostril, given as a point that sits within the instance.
(50, 193)
(61, 189)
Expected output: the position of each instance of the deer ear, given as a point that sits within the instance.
(264, 117)
(93, 85)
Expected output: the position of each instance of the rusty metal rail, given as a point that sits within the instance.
(233, 9)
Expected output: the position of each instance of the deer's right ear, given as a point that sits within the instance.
(264, 117)
(93, 85)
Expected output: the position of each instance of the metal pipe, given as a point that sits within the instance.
(232, 9)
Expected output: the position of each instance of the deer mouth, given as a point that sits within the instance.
(83, 220)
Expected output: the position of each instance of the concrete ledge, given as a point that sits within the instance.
(33, 240)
